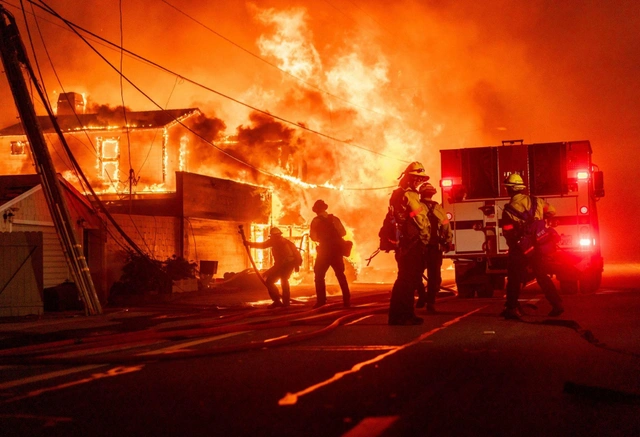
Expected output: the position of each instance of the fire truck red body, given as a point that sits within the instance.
(473, 196)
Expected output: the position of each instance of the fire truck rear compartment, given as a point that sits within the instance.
(562, 173)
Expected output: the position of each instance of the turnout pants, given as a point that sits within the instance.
(517, 264)
(410, 268)
(324, 260)
(282, 272)
(433, 264)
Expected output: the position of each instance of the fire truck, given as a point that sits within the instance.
(561, 173)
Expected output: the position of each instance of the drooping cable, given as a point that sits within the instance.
(306, 83)
(297, 125)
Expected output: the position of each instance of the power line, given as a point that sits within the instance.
(308, 84)
(73, 27)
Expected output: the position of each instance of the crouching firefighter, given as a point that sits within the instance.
(530, 244)
(411, 217)
(440, 238)
(286, 258)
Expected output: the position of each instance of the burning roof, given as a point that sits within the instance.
(107, 118)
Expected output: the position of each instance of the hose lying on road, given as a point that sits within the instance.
(189, 331)
(52, 355)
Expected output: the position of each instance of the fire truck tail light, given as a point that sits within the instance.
(585, 242)
(450, 216)
(446, 183)
(584, 210)
(583, 175)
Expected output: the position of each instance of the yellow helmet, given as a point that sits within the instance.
(427, 189)
(415, 169)
(514, 181)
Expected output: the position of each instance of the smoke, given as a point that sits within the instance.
(386, 83)
(107, 115)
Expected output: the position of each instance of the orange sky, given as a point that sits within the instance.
(398, 80)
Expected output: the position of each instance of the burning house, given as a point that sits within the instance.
(138, 163)
(119, 150)
(198, 221)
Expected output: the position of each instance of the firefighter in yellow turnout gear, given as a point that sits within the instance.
(518, 259)
(440, 238)
(411, 216)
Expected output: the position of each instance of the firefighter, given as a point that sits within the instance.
(286, 259)
(327, 231)
(440, 238)
(518, 260)
(412, 220)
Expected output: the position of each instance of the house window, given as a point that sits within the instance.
(108, 158)
(19, 147)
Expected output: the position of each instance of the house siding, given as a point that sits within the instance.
(55, 267)
(21, 274)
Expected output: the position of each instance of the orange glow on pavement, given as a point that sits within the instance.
(292, 398)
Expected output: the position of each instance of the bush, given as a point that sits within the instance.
(142, 275)
(179, 268)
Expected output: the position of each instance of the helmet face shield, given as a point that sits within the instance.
(416, 181)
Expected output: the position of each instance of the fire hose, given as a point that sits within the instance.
(253, 263)
(49, 355)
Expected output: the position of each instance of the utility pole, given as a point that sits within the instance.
(14, 56)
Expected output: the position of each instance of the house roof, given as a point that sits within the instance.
(107, 119)
(14, 187)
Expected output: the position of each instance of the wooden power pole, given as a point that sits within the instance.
(14, 56)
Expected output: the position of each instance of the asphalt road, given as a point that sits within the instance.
(334, 372)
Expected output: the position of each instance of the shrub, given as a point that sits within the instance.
(178, 268)
(143, 275)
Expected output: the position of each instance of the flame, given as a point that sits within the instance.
(70, 176)
(290, 42)
(154, 188)
(184, 143)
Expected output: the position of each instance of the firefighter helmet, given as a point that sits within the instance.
(514, 181)
(427, 190)
(319, 206)
(415, 169)
(275, 231)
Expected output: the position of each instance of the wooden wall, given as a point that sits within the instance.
(21, 274)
